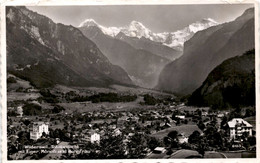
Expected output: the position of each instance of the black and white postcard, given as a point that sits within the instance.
(131, 81)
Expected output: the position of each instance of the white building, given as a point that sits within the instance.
(180, 116)
(95, 138)
(182, 138)
(38, 129)
(220, 115)
(204, 113)
(19, 111)
(117, 132)
(238, 126)
(159, 150)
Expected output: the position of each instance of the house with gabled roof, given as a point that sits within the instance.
(238, 126)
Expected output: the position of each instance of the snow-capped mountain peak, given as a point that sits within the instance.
(111, 31)
(136, 24)
(200, 25)
(88, 23)
(176, 39)
(137, 29)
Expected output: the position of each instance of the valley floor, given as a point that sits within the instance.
(116, 122)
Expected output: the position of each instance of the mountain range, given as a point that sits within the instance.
(46, 53)
(206, 50)
(136, 29)
(139, 51)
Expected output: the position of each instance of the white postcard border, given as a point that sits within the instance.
(3, 103)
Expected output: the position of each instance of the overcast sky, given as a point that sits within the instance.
(159, 18)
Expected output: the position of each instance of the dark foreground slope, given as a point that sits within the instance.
(230, 84)
(46, 53)
(205, 50)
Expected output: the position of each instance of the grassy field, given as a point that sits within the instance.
(19, 83)
(57, 125)
(139, 90)
(103, 106)
(12, 96)
(113, 88)
(187, 130)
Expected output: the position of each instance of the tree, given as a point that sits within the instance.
(11, 80)
(136, 146)
(178, 121)
(32, 109)
(215, 138)
(223, 124)
(201, 125)
(173, 138)
(26, 122)
(57, 109)
(149, 100)
(12, 149)
(199, 112)
(202, 146)
(173, 135)
(235, 113)
(252, 140)
(249, 112)
(166, 141)
(194, 137)
(153, 143)
(23, 137)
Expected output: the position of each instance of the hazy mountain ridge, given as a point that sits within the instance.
(141, 65)
(232, 83)
(154, 47)
(205, 50)
(45, 52)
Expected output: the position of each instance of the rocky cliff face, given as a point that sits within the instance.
(47, 53)
(230, 84)
(205, 50)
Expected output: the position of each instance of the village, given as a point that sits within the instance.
(162, 131)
